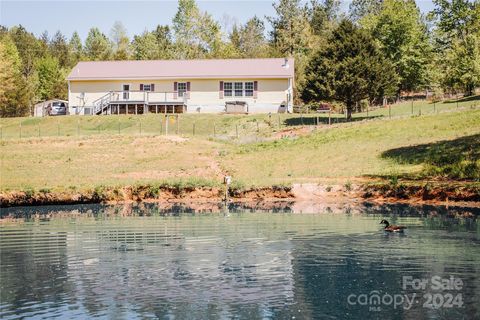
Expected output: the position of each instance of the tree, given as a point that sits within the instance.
(349, 69)
(29, 48)
(359, 9)
(16, 93)
(9, 75)
(456, 38)
(153, 45)
(292, 36)
(291, 32)
(323, 15)
(197, 35)
(249, 40)
(97, 45)
(145, 46)
(403, 38)
(60, 50)
(462, 65)
(455, 19)
(49, 75)
(121, 43)
(76, 48)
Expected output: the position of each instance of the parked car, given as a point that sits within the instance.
(57, 108)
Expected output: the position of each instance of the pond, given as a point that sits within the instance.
(262, 261)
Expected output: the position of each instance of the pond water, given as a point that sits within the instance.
(284, 261)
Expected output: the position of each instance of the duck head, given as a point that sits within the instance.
(385, 222)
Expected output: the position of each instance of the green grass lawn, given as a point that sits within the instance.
(244, 128)
(268, 150)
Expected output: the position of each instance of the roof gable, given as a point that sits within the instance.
(183, 69)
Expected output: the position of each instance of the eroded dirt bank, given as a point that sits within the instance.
(425, 193)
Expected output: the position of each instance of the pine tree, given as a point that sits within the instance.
(349, 69)
(60, 49)
(76, 48)
(97, 45)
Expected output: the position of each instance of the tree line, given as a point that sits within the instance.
(377, 49)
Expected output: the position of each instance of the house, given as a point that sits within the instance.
(177, 86)
(52, 107)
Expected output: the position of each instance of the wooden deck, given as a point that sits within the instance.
(139, 107)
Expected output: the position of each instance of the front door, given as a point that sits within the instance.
(126, 88)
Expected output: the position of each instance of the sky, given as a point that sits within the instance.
(69, 16)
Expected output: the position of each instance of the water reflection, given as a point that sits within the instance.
(168, 261)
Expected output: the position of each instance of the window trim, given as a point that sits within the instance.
(181, 93)
(149, 87)
(225, 90)
(252, 89)
(230, 91)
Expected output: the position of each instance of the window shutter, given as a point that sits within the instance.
(255, 89)
(141, 87)
(175, 88)
(220, 91)
(152, 87)
(188, 90)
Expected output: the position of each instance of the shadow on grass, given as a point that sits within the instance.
(438, 153)
(464, 99)
(312, 120)
(455, 159)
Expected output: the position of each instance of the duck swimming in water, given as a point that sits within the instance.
(392, 228)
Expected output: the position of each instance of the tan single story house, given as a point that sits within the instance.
(176, 86)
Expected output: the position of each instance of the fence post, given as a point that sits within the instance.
(20, 130)
(412, 105)
(236, 129)
(390, 111)
(178, 124)
(38, 126)
(214, 130)
(118, 125)
(78, 127)
(434, 107)
(279, 122)
(258, 128)
(166, 124)
(58, 129)
(193, 129)
(161, 125)
(140, 126)
(1, 133)
(329, 117)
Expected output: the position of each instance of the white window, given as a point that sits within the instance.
(182, 88)
(147, 87)
(227, 89)
(238, 89)
(248, 89)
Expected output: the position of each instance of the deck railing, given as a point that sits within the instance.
(146, 96)
(143, 97)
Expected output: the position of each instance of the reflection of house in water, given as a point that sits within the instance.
(33, 266)
(177, 269)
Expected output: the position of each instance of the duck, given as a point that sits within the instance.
(392, 228)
